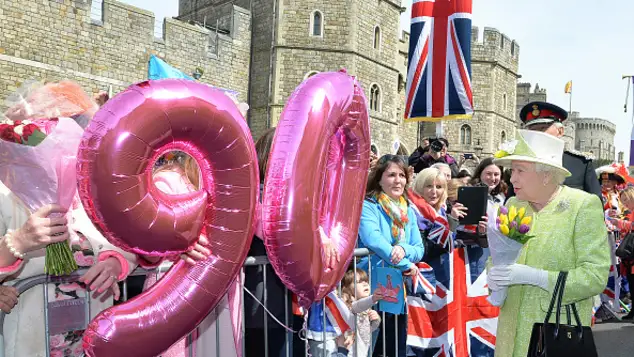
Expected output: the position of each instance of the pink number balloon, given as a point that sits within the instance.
(315, 182)
(115, 162)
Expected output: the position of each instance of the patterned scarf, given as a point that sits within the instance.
(397, 212)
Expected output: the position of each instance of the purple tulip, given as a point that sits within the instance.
(524, 228)
(504, 210)
(498, 221)
(514, 224)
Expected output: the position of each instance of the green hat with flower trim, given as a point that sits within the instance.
(533, 146)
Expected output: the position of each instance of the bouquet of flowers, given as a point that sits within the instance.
(39, 155)
(507, 233)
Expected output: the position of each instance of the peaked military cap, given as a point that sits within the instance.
(541, 113)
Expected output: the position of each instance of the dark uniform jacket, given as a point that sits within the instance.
(583, 175)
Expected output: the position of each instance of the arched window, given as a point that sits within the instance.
(503, 137)
(377, 37)
(317, 24)
(375, 98)
(465, 135)
(310, 74)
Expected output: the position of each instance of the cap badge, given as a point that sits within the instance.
(535, 111)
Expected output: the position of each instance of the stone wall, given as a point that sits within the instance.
(595, 136)
(55, 40)
(494, 74)
(285, 52)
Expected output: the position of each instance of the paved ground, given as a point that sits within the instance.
(614, 339)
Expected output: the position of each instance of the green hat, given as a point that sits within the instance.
(533, 146)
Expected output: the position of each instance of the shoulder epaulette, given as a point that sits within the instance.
(580, 154)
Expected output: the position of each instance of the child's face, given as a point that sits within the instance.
(363, 289)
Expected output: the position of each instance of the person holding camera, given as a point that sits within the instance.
(437, 153)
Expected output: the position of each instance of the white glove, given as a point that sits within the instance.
(516, 274)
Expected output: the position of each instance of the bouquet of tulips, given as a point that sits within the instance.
(507, 233)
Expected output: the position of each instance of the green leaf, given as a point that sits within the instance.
(36, 138)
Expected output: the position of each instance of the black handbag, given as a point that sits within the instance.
(559, 340)
(626, 248)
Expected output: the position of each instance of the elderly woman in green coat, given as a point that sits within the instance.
(569, 234)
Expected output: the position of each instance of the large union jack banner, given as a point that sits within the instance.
(458, 321)
(439, 70)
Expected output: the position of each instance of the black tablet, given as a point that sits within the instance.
(475, 198)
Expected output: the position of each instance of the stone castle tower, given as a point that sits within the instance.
(494, 74)
(292, 40)
(594, 136)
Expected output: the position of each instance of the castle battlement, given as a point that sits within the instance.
(594, 124)
(494, 46)
(110, 45)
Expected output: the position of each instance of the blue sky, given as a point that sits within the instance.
(560, 40)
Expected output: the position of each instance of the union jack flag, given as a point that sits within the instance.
(458, 321)
(422, 285)
(439, 69)
(612, 290)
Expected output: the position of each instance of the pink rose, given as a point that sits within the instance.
(84, 243)
(69, 287)
(83, 260)
(56, 341)
(57, 353)
(78, 350)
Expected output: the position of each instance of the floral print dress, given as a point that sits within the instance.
(69, 344)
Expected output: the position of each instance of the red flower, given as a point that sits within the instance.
(9, 134)
(28, 131)
(17, 122)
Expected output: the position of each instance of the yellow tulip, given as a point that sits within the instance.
(526, 220)
(521, 212)
(504, 219)
(504, 229)
(512, 213)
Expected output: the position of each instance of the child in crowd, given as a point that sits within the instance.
(338, 320)
(360, 302)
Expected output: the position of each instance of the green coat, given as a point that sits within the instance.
(569, 234)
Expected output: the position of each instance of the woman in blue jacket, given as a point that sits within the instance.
(388, 229)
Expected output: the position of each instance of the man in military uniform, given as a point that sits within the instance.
(548, 118)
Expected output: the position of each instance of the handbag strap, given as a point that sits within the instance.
(560, 297)
(568, 318)
(560, 278)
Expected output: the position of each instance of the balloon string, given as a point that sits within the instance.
(301, 333)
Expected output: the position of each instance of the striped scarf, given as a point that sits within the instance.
(397, 211)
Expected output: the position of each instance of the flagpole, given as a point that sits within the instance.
(627, 93)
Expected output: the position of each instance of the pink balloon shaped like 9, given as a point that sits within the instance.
(115, 163)
(315, 183)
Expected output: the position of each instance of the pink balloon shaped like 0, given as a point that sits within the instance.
(115, 164)
(315, 183)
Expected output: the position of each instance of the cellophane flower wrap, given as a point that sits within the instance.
(507, 233)
(43, 172)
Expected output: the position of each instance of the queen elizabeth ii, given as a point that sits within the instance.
(568, 234)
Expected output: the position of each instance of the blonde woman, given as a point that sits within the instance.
(429, 199)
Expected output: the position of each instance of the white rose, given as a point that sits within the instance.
(19, 129)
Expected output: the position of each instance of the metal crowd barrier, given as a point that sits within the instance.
(23, 285)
